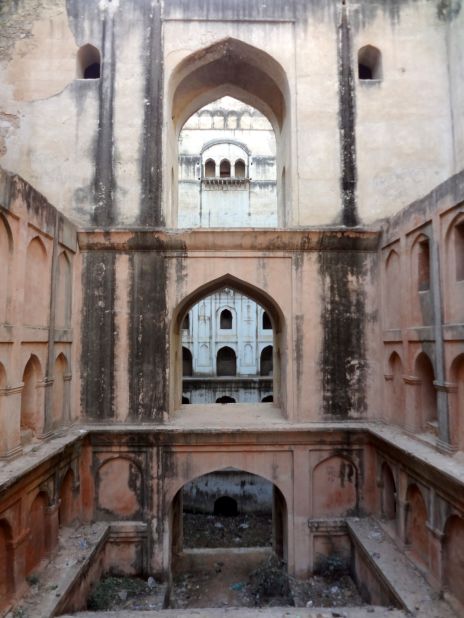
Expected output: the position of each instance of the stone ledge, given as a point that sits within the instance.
(79, 551)
(394, 570)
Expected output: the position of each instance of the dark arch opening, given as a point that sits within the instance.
(266, 321)
(423, 265)
(187, 362)
(225, 399)
(239, 168)
(185, 399)
(224, 169)
(226, 362)
(226, 320)
(226, 507)
(369, 63)
(88, 62)
(266, 361)
(256, 507)
(267, 399)
(210, 168)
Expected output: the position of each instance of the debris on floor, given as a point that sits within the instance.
(246, 530)
(240, 579)
(126, 593)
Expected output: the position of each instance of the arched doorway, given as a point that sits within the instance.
(226, 362)
(226, 524)
(229, 68)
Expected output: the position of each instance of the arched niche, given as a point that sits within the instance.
(67, 510)
(416, 525)
(31, 404)
(257, 295)
(6, 256)
(37, 542)
(59, 389)
(335, 487)
(88, 64)
(421, 281)
(369, 63)
(427, 404)
(36, 284)
(120, 494)
(392, 294)
(388, 493)
(453, 557)
(64, 292)
(395, 387)
(454, 270)
(233, 68)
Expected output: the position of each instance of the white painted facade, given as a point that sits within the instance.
(205, 336)
(227, 168)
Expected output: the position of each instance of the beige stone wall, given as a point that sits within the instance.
(408, 126)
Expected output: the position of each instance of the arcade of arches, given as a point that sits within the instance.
(326, 311)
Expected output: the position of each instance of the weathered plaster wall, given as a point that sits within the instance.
(350, 149)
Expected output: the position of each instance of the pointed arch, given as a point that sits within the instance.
(335, 487)
(256, 294)
(31, 404)
(59, 389)
(389, 495)
(416, 524)
(395, 386)
(423, 368)
(67, 509)
(229, 67)
(64, 292)
(393, 296)
(36, 284)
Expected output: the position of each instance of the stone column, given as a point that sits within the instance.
(388, 377)
(435, 554)
(444, 399)
(10, 421)
(66, 421)
(47, 384)
(301, 502)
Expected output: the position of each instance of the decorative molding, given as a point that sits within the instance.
(12, 390)
(412, 380)
(445, 387)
